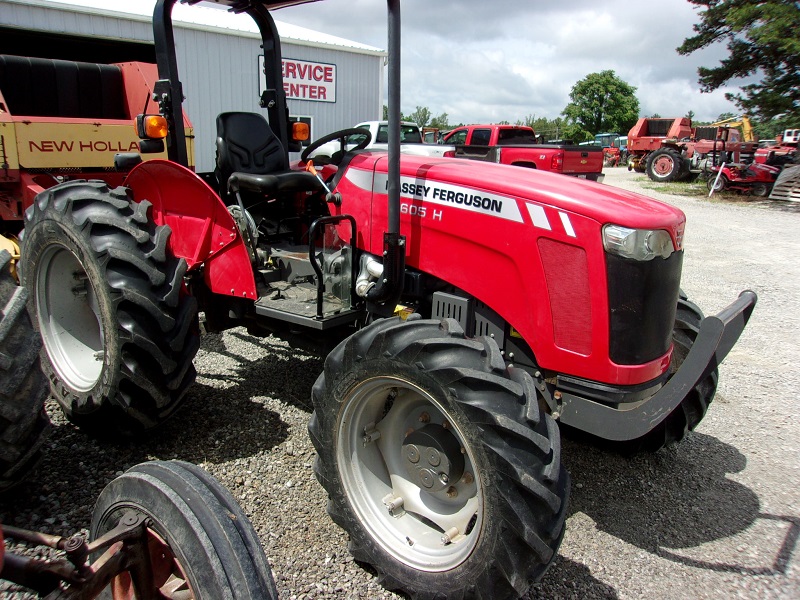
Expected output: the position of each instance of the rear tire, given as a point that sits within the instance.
(665, 165)
(761, 190)
(23, 388)
(200, 540)
(119, 334)
(427, 390)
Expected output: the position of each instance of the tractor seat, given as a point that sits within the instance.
(251, 158)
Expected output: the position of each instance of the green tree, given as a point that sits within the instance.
(421, 116)
(600, 102)
(439, 122)
(762, 40)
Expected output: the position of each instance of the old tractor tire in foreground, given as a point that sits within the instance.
(119, 335)
(23, 388)
(438, 462)
(200, 542)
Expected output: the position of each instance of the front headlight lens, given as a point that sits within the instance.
(637, 244)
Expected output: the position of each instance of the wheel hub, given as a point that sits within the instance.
(432, 458)
(663, 166)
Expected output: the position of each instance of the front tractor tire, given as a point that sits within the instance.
(119, 333)
(438, 462)
(665, 165)
(688, 414)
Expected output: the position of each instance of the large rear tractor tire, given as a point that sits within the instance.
(664, 165)
(438, 462)
(119, 333)
(23, 388)
(200, 542)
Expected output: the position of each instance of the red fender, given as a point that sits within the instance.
(203, 231)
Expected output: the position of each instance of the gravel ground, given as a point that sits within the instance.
(717, 516)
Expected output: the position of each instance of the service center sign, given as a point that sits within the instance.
(304, 80)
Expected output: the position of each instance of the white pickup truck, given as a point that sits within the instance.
(410, 141)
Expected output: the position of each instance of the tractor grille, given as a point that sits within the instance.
(566, 272)
(642, 299)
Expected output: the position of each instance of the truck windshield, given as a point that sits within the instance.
(511, 137)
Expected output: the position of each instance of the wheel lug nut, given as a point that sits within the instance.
(424, 418)
(468, 478)
(444, 478)
(445, 424)
(452, 492)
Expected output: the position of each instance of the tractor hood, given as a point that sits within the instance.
(599, 202)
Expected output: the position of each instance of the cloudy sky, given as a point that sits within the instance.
(480, 60)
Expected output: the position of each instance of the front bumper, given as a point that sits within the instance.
(624, 422)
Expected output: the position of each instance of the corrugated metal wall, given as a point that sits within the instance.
(219, 69)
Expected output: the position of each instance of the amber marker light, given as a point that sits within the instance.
(300, 131)
(151, 127)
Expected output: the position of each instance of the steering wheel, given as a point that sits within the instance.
(341, 136)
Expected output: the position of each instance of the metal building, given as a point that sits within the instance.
(331, 82)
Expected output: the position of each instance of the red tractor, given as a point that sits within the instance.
(471, 307)
(674, 150)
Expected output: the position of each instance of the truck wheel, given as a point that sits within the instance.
(23, 388)
(437, 461)
(200, 542)
(665, 164)
(691, 411)
(119, 334)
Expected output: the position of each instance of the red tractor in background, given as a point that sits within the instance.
(782, 152)
(674, 150)
(614, 154)
(471, 307)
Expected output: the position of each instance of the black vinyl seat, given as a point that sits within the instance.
(251, 158)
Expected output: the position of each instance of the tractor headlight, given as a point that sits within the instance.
(638, 244)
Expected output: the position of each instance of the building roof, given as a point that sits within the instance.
(208, 18)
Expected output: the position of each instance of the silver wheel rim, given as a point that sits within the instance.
(69, 318)
(428, 529)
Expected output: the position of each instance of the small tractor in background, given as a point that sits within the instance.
(782, 152)
(615, 150)
(674, 150)
(64, 120)
(471, 307)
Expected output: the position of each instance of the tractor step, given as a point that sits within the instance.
(297, 303)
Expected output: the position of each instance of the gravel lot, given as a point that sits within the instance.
(718, 516)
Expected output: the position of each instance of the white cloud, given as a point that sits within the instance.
(507, 59)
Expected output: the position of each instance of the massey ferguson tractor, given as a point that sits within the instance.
(471, 308)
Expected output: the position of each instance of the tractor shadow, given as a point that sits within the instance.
(671, 502)
(232, 412)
